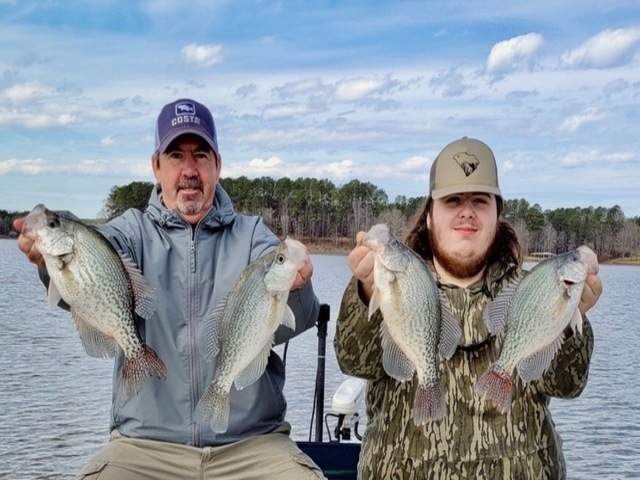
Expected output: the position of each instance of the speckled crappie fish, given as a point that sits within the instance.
(103, 289)
(240, 333)
(417, 321)
(535, 312)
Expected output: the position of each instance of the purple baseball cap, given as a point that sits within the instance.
(185, 116)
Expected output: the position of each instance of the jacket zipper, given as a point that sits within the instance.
(195, 375)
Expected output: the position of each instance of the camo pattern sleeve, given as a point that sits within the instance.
(569, 370)
(357, 340)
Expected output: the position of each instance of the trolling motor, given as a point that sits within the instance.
(344, 406)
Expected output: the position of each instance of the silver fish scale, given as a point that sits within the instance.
(540, 311)
(411, 309)
(255, 315)
(95, 284)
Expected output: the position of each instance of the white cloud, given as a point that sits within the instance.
(341, 170)
(26, 167)
(512, 54)
(284, 110)
(300, 87)
(575, 122)
(595, 157)
(268, 165)
(608, 48)
(414, 164)
(27, 91)
(354, 89)
(203, 55)
(452, 83)
(86, 168)
(35, 120)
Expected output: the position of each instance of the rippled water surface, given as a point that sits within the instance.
(55, 400)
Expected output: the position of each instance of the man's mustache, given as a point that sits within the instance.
(192, 183)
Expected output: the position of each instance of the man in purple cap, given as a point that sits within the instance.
(191, 247)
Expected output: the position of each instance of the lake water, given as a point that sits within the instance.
(55, 400)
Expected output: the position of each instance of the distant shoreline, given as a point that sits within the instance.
(344, 246)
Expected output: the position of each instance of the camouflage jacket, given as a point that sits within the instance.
(474, 440)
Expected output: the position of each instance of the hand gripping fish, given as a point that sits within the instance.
(417, 321)
(535, 312)
(103, 289)
(240, 334)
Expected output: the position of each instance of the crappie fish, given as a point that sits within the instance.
(535, 312)
(103, 289)
(241, 333)
(417, 320)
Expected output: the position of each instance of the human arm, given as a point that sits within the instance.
(357, 339)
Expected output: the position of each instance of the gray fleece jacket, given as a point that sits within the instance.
(192, 269)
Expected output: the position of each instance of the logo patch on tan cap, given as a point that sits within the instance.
(468, 163)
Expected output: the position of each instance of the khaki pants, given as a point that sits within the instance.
(272, 456)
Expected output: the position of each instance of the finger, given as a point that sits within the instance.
(303, 276)
(590, 293)
(358, 261)
(18, 223)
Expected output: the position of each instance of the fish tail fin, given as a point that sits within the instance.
(213, 409)
(429, 403)
(497, 385)
(136, 368)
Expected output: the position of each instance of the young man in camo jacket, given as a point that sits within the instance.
(473, 254)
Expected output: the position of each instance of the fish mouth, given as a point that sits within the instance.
(590, 259)
(297, 252)
(377, 236)
(36, 220)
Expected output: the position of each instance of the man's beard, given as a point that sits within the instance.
(461, 267)
(190, 203)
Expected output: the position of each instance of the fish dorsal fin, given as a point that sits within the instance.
(374, 302)
(532, 367)
(288, 318)
(95, 343)
(213, 331)
(53, 294)
(496, 312)
(255, 369)
(394, 361)
(450, 331)
(145, 295)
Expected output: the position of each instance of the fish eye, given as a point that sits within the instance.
(280, 259)
(53, 223)
(394, 242)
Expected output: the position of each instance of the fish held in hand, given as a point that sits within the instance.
(417, 321)
(535, 311)
(240, 333)
(103, 289)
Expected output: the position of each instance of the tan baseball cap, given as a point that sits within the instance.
(465, 165)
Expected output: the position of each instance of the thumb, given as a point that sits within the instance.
(18, 224)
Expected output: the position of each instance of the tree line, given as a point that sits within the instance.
(316, 210)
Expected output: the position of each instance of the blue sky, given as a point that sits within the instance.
(330, 89)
